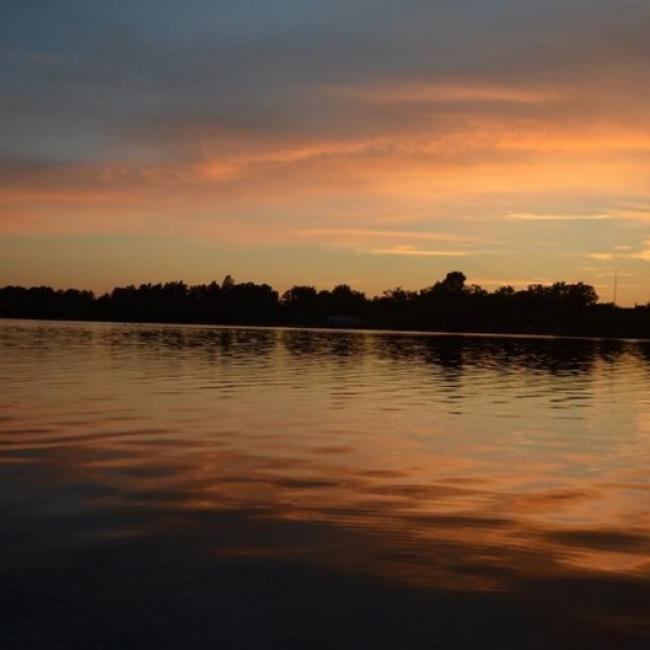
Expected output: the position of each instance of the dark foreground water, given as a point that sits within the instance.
(187, 487)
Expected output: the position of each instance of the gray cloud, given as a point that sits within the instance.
(82, 78)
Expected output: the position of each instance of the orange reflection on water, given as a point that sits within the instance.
(460, 464)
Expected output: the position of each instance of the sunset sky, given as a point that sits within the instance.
(318, 142)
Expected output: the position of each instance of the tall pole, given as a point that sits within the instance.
(615, 285)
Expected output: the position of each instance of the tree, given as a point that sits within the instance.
(505, 292)
(581, 294)
(399, 295)
(300, 296)
(454, 282)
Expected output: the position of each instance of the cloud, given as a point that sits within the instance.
(354, 234)
(347, 127)
(389, 242)
(558, 217)
(634, 213)
(624, 253)
(410, 250)
(422, 92)
(230, 166)
(640, 255)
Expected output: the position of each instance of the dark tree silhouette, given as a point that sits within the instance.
(228, 283)
(447, 305)
(454, 282)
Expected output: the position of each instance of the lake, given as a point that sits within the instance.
(185, 486)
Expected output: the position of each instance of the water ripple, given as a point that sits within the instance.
(455, 464)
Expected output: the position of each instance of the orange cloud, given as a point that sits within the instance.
(410, 250)
(400, 91)
(558, 217)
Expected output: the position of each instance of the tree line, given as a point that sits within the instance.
(449, 304)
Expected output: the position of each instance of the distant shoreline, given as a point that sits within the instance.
(448, 306)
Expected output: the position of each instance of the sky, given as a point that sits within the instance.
(375, 143)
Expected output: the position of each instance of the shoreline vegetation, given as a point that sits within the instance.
(449, 305)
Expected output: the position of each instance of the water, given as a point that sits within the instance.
(166, 486)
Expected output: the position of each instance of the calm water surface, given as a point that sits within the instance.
(166, 486)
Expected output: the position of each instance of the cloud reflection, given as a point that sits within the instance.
(372, 456)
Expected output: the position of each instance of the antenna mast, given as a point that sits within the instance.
(615, 285)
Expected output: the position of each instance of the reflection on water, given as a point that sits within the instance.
(169, 485)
